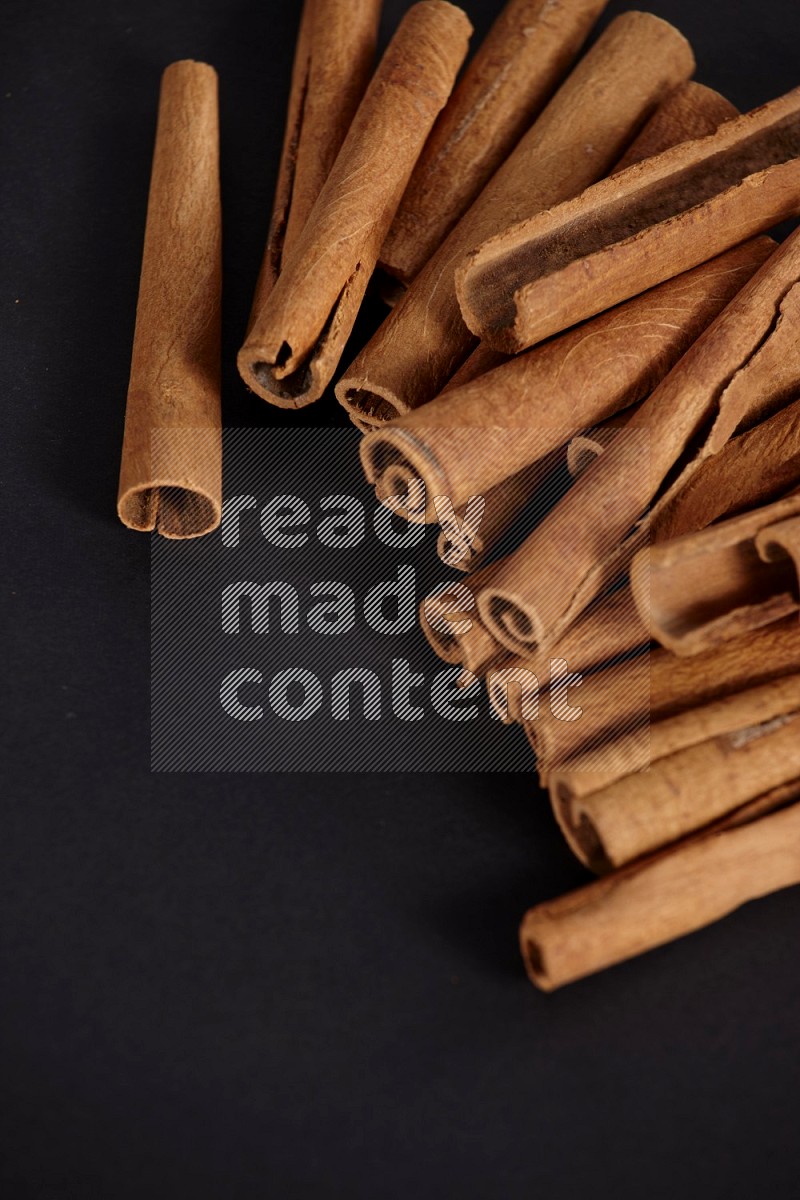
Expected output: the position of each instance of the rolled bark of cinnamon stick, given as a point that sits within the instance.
(637, 61)
(297, 337)
(741, 369)
(332, 64)
(585, 447)
(524, 57)
(705, 588)
(625, 699)
(660, 217)
(452, 628)
(596, 769)
(610, 630)
(527, 491)
(660, 899)
(685, 791)
(171, 473)
(690, 111)
(469, 439)
(754, 468)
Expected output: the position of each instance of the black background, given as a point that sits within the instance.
(243, 985)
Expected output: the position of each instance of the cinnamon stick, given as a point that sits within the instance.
(622, 756)
(297, 337)
(705, 588)
(660, 899)
(332, 64)
(610, 630)
(585, 447)
(626, 698)
(740, 370)
(690, 111)
(469, 439)
(465, 546)
(524, 57)
(453, 628)
(660, 217)
(685, 791)
(636, 62)
(171, 473)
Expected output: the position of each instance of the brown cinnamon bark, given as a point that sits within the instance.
(660, 899)
(332, 64)
(705, 588)
(470, 439)
(625, 755)
(611, 629)
(171, 473)
(585, 447)
(637, 61)
(625, 699)
(685, 791)
(690, 111)
(660, 217)
(524, 57)
(465, 546)
(297, 337)
(744, 367)
(454, 631)
(754, 468)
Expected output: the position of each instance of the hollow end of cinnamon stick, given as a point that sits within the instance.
(402, 470)
(171, 509)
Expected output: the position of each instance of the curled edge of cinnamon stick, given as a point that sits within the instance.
(685, 791)
(171, 471)
(296, 339)
(662, 898)
(526, 53)
(626, 698)
(333, 60)
(609, 631)
(704, 588)
(628, 233)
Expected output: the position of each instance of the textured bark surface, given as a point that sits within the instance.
(171, 473)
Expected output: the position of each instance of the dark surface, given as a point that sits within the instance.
(242, 985)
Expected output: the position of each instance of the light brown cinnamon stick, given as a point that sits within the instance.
(625, 699)
(332, 64)
(297, 337)
(636, 62)
(660, 217)
(685, 791)
(467, 539)
(743, 367)
(610, 630)
(690, 111)
(454, 631)
(705, 588)
(469, 439)
(171, 473)
(625, 755)
(524, 57)
(660, 899)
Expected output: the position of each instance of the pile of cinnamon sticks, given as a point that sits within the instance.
(574, 249)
